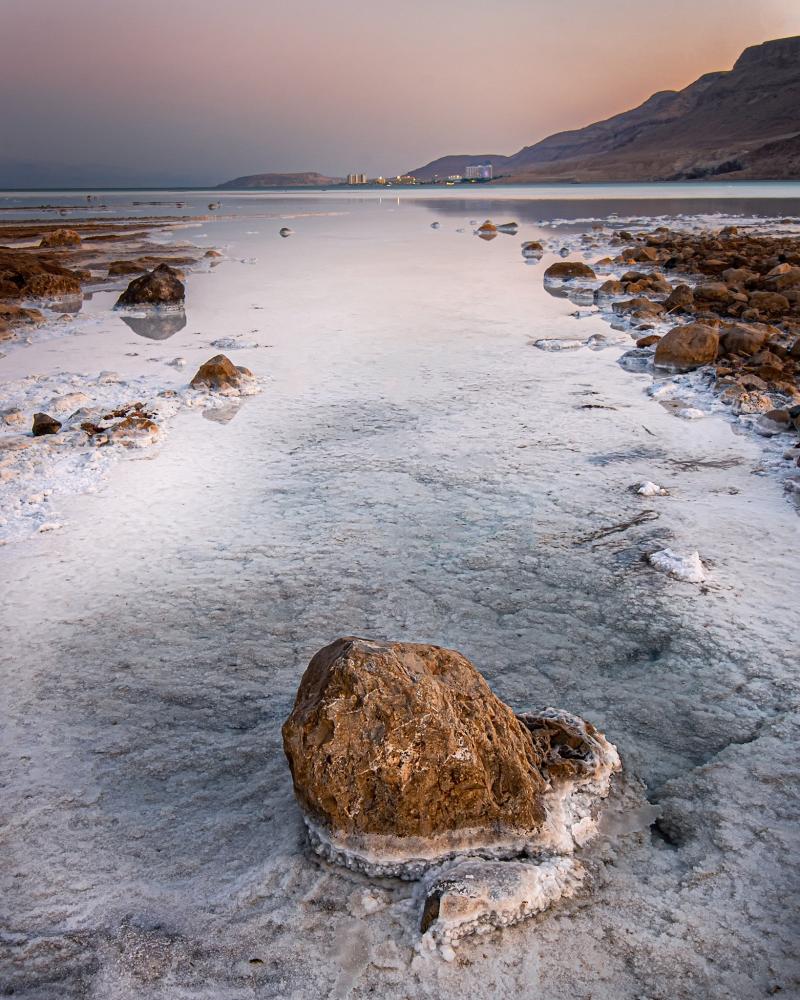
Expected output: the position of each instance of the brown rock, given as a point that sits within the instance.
(687, 347)
(610, 288)
(161, 287)
(741, 339)
(31, 275)
(43, 423)
(566, 270)
(487, 227)
(638, 305)
(713, 291)
(648, 341)
(769, 303)
(680, 299)
(61, 238)
(405, 745)
(219, 373)
(782, 277)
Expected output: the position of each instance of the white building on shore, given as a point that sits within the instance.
(479, 171)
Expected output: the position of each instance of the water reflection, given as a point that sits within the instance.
(222, 414)
(156, 325)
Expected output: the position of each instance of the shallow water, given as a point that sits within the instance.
(414, 469)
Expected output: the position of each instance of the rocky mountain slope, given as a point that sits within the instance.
(744, 123)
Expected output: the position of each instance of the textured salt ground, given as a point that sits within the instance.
(433, 486)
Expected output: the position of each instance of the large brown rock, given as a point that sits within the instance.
(742, 339)
(687, 347)
(566, 270)
(400, 753)
(161, 287)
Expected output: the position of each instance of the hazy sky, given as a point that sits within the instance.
(198, 91)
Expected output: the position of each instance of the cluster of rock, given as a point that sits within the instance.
(734, 310)
(64, 260)
(406, 764)
(134, 424)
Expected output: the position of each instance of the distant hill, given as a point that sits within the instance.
(740, 124)
(308, 179)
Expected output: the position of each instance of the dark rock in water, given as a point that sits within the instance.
(219, 373)
(43, 423)
(156, 325)
(401, 754)
(161, 287)
(61, 238)
(286, 231)
(566, 270)
(686, 347)
(639, 359)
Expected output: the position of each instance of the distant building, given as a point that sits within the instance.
(356, 178)
(479, 172)
(454, 177)
(405, 179)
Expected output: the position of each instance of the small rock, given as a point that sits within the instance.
(218, 373)
(43, 423)
(161, 287)
(286, 231)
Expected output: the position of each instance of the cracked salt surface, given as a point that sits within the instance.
(413, 470)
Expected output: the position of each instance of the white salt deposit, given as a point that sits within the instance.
(688, 568)
(648, 489)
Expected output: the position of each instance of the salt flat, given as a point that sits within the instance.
(412, 469)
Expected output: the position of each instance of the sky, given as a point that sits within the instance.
(196, 92)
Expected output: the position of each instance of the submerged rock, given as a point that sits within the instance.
(402, 757)
(160, 287)
(286, 231)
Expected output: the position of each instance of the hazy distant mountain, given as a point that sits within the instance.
(741, 124)
(308, 179)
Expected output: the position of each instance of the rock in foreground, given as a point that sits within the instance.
(402, 757)
(160, 287)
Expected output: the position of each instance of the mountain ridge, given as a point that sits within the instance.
(722, 124)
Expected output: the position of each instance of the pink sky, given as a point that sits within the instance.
(202, 90)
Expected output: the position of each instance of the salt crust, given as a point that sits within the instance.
(506, 890)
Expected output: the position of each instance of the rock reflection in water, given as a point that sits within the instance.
(156, 325)
(222, 414)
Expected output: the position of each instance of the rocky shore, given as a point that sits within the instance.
(715, 315)
(45, 264)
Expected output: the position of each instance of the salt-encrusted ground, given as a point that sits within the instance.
(413, 470)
